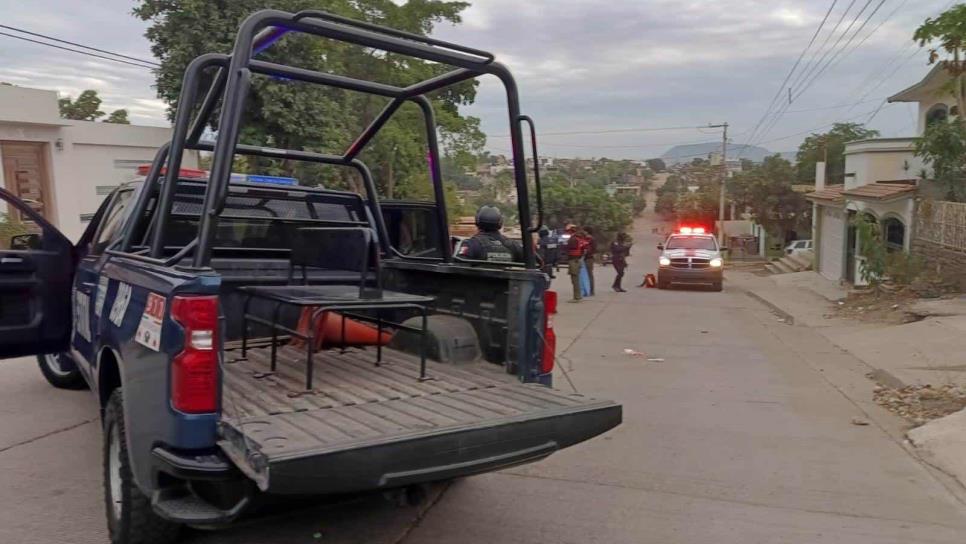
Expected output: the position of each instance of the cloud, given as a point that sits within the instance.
(580, 64)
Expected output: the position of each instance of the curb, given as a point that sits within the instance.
(789, 318)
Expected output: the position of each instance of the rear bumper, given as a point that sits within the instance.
(689, 275)
(438, 455)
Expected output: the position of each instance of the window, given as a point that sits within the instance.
(937, 113)
(692, 242)
(895, 234)
(111, 223)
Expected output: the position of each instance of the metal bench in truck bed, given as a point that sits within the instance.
(371, 427)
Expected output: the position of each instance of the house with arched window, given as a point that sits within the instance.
(882, 182)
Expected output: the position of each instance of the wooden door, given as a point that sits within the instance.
(25, 174)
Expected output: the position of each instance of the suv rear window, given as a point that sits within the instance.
(692, 242)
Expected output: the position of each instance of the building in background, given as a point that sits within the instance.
(64, 168)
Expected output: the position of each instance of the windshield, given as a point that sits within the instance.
(692, 242)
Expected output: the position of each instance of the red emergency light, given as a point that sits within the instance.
(184, 173)
(691, 230)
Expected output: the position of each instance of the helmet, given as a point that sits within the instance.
(489, 218)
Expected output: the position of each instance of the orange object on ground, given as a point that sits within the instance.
(329, 331)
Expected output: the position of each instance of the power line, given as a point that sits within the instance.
(808, 65)
(606, 131)
(844, 47)
(76, 51)
(51, 38)
(848, 105)
(820, 68)
(874, 30)
(790, 72)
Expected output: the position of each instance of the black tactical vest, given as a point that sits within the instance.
(495, 250)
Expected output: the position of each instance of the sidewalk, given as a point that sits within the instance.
(930, 351)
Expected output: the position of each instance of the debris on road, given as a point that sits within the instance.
(859, 421)
(655, 359)
(920, 404)
(633, 352)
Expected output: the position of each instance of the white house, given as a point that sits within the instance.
(64, 168)
(882, 177)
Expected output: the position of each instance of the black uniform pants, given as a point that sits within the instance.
(619, 268)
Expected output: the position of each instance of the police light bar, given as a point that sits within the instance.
(271, 180)
(691, 230)
(184, 173)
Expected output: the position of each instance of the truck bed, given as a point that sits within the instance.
(367, 426)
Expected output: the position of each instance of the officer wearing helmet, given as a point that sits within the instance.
(489, 244)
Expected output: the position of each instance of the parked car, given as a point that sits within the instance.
(798, 246)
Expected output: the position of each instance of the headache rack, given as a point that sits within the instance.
(230, 87)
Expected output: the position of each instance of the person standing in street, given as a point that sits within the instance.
(619, 250)
(548, 250)
(589, 255)
(575, 255)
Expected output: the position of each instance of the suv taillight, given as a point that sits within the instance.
(549, 337)
(194, 371)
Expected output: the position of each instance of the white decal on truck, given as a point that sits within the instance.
(102, 285)
(149, 331)
(119, 308)
(82, 315)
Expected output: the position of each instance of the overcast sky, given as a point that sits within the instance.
(582, 65)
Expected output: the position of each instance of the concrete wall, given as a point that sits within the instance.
(85, 159)
(883, 159)
(948, 264)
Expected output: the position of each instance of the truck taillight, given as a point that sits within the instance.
(549, 337)
(194, 371)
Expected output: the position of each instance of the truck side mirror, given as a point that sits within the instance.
(661, 247)
(723, 248)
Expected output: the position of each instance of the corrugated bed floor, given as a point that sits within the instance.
(354, 402)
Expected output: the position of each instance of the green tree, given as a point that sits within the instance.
(301, 116)
(656, 165)
(586, 205)
(765, 192)
(814, 148)
(85, 108)
(118, 117)
(943, 144)
(947, 33)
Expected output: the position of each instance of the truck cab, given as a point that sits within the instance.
(250, 334)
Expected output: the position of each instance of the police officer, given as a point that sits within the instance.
(549, 250)
(489, 244)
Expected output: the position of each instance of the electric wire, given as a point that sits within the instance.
(76, 51)
(51, 38)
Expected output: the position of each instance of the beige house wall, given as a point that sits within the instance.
(85, 160)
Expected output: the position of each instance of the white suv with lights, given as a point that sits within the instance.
(690, 256)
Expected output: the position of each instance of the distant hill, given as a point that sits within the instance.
(686, 153)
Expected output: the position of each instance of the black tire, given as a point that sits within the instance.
(130, 518)
(662, 283)
(717, 286)
(61, 371)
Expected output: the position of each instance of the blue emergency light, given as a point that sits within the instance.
(269, 180)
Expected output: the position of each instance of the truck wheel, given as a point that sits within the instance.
(661, 283)
(716, 286)
(60, 371)
(130, 518)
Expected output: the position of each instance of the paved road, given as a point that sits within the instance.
(742, 434)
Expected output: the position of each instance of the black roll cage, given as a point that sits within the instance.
(231, 85)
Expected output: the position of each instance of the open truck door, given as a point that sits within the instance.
(36, 270)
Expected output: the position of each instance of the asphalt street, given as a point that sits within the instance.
(740, 430)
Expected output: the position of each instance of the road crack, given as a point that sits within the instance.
(45, 435)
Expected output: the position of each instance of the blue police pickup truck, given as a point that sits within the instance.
(252, 335)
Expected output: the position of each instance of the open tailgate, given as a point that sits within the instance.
(369, 427)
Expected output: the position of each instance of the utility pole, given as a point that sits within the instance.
(724, 178)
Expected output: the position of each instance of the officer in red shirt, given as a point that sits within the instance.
(575, 254)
